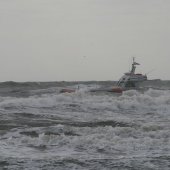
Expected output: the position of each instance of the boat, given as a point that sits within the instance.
(128, 81)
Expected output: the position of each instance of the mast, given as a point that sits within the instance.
(134, 66)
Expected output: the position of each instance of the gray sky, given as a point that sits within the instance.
(53, 40)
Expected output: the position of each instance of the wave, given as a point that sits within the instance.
(130, 101)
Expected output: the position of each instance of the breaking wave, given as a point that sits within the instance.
(83, 130)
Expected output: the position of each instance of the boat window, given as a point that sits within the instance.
(130, 84)
(121, 84)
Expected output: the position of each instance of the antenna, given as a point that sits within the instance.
(150, 71)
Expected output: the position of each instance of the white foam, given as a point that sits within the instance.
(157, 101)
(147, 115)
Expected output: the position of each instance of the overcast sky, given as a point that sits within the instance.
(71, 40)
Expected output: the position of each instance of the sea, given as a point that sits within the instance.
(43, 129)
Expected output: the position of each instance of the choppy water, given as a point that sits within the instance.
(43, 129)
